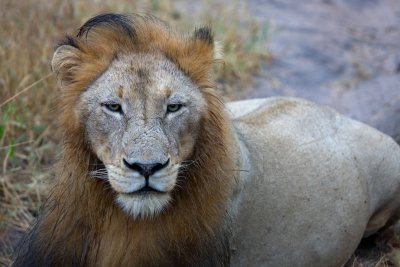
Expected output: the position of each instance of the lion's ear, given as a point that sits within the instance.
(205, 35)
(198, 55)
(66, 60)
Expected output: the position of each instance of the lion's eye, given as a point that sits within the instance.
(113, 107)
(174, 107)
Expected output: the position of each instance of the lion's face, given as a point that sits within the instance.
(141, 118)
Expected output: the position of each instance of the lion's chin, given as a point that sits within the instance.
(143, 206)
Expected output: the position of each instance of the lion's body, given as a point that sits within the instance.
(316, 179)
(155, 171)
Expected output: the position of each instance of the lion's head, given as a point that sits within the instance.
(147, 163)
(135, 88)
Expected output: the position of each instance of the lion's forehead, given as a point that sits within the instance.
(136, 75)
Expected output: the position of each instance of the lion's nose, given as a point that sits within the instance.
(145, 169)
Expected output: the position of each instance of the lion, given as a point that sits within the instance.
(155, 170)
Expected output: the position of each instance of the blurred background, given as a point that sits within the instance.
(343, 53)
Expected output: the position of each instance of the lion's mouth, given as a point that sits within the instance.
(144, 190)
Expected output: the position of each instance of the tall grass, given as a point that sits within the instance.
(28, 33)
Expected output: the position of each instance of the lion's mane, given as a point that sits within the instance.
(80, 224)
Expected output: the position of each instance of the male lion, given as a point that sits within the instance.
(156, 171)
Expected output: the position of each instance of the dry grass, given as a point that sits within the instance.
(29, 31)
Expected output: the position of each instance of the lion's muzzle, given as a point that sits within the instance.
(143, 187)
(146, 170)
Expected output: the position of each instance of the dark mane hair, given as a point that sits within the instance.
(108, 20)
